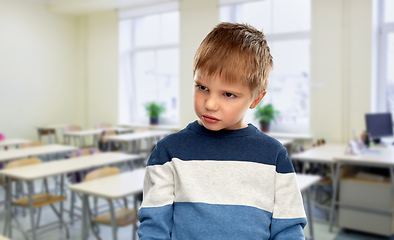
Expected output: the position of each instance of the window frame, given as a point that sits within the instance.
(384, 29)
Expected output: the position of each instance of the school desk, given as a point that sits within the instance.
(323, 155)
(305, 182)
(35, 151)
(49, 128)
(13, 142)
(54, 168)
(127, 138)
(380, 157)
(110, 188)
(80, 135)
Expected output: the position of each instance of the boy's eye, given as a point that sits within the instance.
(202, 88)
(229, 95)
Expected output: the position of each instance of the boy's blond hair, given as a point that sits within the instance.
(238, 53)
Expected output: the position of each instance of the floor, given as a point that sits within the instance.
(321, 227)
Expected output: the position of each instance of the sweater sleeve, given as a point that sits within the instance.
(288, 218)
(156, 209)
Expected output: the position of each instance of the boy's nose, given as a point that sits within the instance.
(211, 104)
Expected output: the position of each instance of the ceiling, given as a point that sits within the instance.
(81, 7)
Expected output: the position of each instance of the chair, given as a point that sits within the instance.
(102, 125)
(104, 144)
(39, 200)
(72, 128)
(123, 217)
(49, 133)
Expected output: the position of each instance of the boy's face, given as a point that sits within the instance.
(221, 105)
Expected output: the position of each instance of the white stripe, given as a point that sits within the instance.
(288, 199)
(214, 182)
(158, 185)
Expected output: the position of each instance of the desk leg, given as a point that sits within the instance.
(31, 210)
(109, 148)
(8, 219)
(391, 169)
(334, 195)
(61, 203)
(113, 221)
(50, 136)
(84, 217)
(308, 205)
(39, 135)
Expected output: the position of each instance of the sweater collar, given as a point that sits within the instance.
(200, 129)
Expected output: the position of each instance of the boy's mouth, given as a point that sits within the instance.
(210, 119)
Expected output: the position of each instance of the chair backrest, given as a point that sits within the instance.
(85, 151)
(102, 172)
(23, 162)
(44, 132)
(73, 128)
(107, 133)
(103, 125)
(33, 144)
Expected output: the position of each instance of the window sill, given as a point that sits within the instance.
(294, 136)
(153, 127)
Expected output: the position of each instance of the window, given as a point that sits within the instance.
(149, 66)
(385, 86)
(286, 24)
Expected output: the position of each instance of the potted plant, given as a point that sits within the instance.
(265, 114)
(154, 110)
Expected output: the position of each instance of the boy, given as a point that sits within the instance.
(220, 178)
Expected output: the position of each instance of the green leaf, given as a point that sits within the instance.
(154, 109)
(266, 113)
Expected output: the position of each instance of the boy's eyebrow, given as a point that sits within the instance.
(198, 82)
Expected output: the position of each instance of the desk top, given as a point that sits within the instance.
(381, 156)
(324, 153)
(35, 151)
(152, 127)
(285, 141)
(301, 136)
(52, 126)
(12, 142)
(95, 131)
(137, 135)
(57, 167)
(305, 181)
(113, 187)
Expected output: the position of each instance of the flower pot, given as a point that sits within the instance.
(154, 121)
(265, 127)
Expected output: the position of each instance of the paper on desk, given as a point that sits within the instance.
(372, 151)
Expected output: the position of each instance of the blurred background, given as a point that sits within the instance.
(88, 61)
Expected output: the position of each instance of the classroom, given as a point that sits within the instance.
(79, 77)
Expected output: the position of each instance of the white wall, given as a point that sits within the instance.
(101, 68)
(37, 68)
(341, 67)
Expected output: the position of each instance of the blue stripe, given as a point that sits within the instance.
(157, 222)
(249, 144)
(288, 229)
(211, 221)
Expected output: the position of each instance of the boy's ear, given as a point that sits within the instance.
(258, 99)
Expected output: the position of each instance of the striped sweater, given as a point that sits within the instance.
(228, 184)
